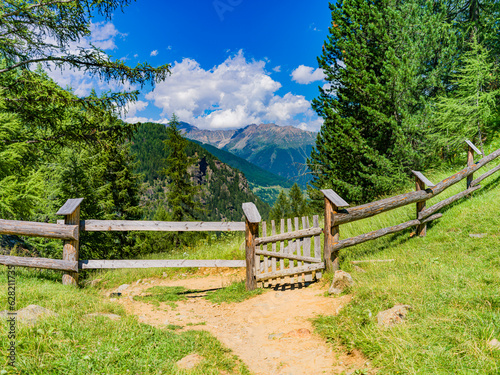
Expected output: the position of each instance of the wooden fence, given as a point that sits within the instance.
(294, 253)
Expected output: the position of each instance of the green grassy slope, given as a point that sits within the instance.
(451, 280)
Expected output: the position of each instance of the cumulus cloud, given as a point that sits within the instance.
(305, 74)
(131, 109)
(103, 34)
(230, 95)
(277, 69)
(154, 53)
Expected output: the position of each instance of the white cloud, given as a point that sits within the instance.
(169, 48)
(277, 69)
(230, 95)
(305, 74)
(103, 35)
(154, 53)
(131, 108)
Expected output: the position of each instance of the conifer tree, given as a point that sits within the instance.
(281, 208)
(297, 202)
(467, 112)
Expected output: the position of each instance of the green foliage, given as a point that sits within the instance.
(281, 208)
(298, 204)
(469, 110)
(383, 59)
(236, 292)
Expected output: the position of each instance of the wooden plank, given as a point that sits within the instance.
(483, 176)
(290, 248)
(307, 248)
(161, 226)
(282, 248)
(291, 271)
(46, 263)
(421, 228)
(377, 207)
(298, 244)
(266, 259)
(473, 147)
(71, 247)
(301, 258)
(381, 232)
(251, 232)
(436, 207)
(251, 212)
(273, 259)
(422, 178)
(290, 235)
(334, 198)
(317, 244)
(35, 229)
(70, 206)
(430, 218)
(161, 263)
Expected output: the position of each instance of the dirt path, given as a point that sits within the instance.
(271, 333)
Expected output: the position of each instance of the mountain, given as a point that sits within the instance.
(223, 189)
(282, 150)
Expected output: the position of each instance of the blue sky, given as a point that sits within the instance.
(234, 62)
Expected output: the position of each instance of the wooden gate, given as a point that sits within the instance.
(292, 255)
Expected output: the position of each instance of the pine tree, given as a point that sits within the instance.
(467, 112)
(297, 202)
(181, 191)
(281, 208)
(383, 60)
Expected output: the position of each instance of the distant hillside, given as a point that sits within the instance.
(223, 189)
(282, 150)
(252, 172)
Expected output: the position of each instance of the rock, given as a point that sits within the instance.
(121, 288)
(138, 281)
(359, 269)
(106, 315)
(340, 281)
(95, 282)
(273, 336)
(29, 314)
(392, 316)
(478, 235)
(494, 344)
(299, 333)
(190, 361)
(114, 295)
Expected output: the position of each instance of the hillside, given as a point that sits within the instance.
(282, 150)
(222, 188)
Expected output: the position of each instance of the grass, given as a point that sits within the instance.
(235, 292)
(451, 280)
(73, 344)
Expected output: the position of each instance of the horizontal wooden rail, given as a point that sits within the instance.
(51, 264)
(35, 229)
(289, 236)
(161, 226)
(486, 175)
(377, 207)
(290, 271)
(161, 263)
(381, 232)
(283, 255)
(429, 211)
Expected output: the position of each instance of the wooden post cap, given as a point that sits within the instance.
(70, 206)
(251, 212)
(471, 145)
(422, 178)
(334, 198)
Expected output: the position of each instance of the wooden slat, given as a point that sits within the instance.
(46, 263)
(161, 263)
(307, 248)
(290, 235)
(483, 176)
(422, 178)
(317, 245)
(265, 261)
(273, 259)
(282, 247)
(334, 198)
(251, 212)
(381, 232)
(429, 211)
(161, 226)
(35, 229)
(301, 258)
(299, 247)
(290, 249)
(70, 206)
(251, 232)
(377, 207)
(291, 272)
(471, 145)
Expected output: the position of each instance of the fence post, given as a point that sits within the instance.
(420, 182)
(332, 233)
(470, 159)
(71, 212)
(252, 220)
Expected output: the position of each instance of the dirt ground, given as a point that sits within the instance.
(272, 333)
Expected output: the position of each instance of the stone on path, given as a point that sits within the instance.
(494, 344)
(392, 316)
(340, 281)
(121, 288)
(106, 315)
(190, 361)
(29, 314)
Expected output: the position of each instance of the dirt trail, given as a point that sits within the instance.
(271, 333)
